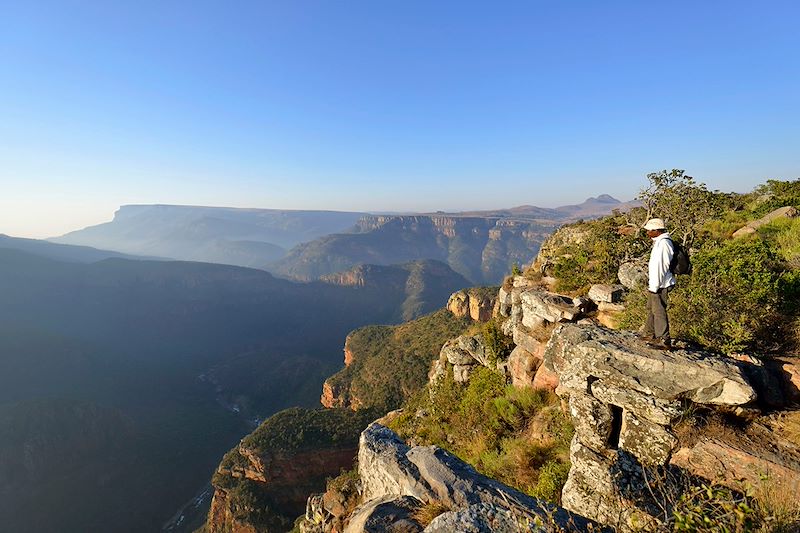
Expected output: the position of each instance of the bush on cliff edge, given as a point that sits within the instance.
(518, 436)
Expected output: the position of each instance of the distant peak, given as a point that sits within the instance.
(603, 199)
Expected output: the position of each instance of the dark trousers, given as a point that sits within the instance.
(657, 323)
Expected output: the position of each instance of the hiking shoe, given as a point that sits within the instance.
(645, 337)
(660, 344)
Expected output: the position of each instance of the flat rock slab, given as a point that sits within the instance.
(480, 518)
(722, 462)
(581, 355)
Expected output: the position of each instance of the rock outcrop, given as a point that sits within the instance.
(463, 354)
(474, 303)
(530, 312)
(623, 397)
(751, 227)
(403, 478)
(283, 482)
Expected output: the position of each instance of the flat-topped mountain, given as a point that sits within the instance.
(243, 237)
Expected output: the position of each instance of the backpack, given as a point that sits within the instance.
(680, 263)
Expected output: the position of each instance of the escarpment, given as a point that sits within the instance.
(482, 249)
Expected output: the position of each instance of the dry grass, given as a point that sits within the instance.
(778, 503)
(425, 513)
(706, 425)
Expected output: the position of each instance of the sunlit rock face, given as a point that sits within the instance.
(624, 397)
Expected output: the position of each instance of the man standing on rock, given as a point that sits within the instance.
(660, 281)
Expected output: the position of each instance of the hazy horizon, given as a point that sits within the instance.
(416, 107)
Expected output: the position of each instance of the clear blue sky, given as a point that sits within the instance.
(380, 105)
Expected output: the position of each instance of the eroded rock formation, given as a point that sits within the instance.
(624, 397)
(473, 303)
(404, 477)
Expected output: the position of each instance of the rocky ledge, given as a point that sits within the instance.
(397, 480)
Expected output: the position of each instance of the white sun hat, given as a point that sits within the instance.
(654, 223)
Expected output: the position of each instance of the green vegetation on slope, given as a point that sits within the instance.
(391, 362)
(291, 431)
(743, 292)
(518, 436)
(298, 429)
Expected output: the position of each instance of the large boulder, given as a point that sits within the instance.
(390, 514)
(739, 467)
(481, 307)
(633, 275)
(545, 379)
(458, 304)
(478, 518)
(389, 468)
(522, 366)
(463, 353)
(465, 350)
(603, 293)
(473, 303)
(384, 468)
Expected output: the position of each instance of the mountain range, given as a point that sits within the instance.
(482, 246)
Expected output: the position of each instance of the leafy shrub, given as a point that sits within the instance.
(483, 387)
(710, 508)
(739, 297)
(505, 432)
(776, 194)
(734, 298)
(552, 476)
(784, 235)
(498, 344)
(597, 257)
(684, 204)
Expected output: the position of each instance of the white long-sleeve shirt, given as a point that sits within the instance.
(659, 276)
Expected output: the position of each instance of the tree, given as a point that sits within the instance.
(683, 203)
